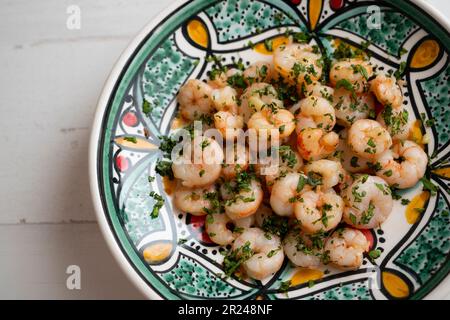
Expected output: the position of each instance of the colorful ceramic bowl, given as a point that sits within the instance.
(171, 257)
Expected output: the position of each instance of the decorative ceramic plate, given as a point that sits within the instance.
(415, 241)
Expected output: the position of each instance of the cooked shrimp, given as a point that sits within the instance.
(262, 214)
(368, 202)
(218, 226)
(244, 202)
(220, 78)
(225, 99)
(315, 144)
(368, 138)
(387, 90)
(331, 172)
(260, 71)
(354, 72)
(403, 165)
(319, 210)
(255, 97)
(228, 124)
(349, 160)
(195, 99)
(315, 112)
(345, 248)
(297, 63)
(289, 161)
(235, 161)
(350, 108)
(244, 223)
(317, 89)
(301, 250)
(273, 119)
(396, 121)
(284, 193)
(267, 256)
(200, 164)
(218, 232)
(193, 200)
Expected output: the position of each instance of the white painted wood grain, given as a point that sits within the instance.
(50, 80)
(34, 260)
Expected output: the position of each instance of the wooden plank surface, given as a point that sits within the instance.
(51, 78)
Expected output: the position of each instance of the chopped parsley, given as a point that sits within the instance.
(158, 205)
(268, 44)
(401, 70)
(234, 258)
(284, 286)
(405, 202)
(429, 186)
(374, 254)
(130, 139)
(146, 107)
(275, 225)
(354, 162)
(164, 168)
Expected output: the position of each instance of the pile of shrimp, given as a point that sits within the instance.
(340, 157)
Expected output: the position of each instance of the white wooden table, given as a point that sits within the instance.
(51, 78)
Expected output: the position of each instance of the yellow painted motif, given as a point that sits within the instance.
(416, 133)
(141, 144)
(415, 206)
(157, 252)
(425, 54)
(197, 32)
(314, 11)
(276, 42)
(443, 172)
(304, 275)
(395, 285)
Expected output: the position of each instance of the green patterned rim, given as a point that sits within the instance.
(165, 54)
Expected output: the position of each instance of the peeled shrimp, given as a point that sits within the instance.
(225, 99)
(368, 138)
(315, 143)
(195, 99)
(387, 91)
(356, 72)
(200, 164)
(235, 161)
(345, 248)
(218, 232)
(396, 121)
(317, 89)
(278, 119)
(350, 108)
(228, 124)
(297, 63)
(331, 172)
(245, 202)
(220, 80)
(193, 200)
(315, 112)
(349, 160)
(368, 202)
(406, 172)
(284, 193)
(267, 256)
(319, 210)
(255, 97)
(289, 161)
(301, 251)
(260, 71)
